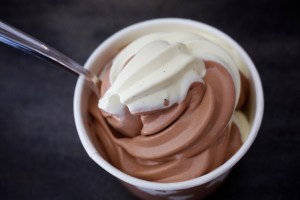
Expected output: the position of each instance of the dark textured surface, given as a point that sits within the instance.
(41, 156)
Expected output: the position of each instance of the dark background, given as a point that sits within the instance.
(41, 156)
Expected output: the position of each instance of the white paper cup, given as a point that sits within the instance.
(192, 189)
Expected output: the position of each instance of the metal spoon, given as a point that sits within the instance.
(17, 39)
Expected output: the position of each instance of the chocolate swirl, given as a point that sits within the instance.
(182, 141)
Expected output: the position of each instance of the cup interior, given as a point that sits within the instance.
(110, 47)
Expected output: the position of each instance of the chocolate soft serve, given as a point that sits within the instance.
(169, 107)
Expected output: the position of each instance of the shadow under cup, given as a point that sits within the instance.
(196, 188)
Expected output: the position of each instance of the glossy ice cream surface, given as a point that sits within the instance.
(169, 109)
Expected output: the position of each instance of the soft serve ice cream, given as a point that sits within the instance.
(170, 107)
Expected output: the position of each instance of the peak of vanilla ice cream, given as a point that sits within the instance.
(157, 70)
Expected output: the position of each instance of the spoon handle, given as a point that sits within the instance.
(17, 39)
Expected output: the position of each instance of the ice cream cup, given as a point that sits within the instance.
(196, 188)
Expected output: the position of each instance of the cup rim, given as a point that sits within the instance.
(85, 140)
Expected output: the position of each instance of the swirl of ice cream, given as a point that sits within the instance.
(159, 67)
(168, 107)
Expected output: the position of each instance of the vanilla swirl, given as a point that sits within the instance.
(160, 67)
